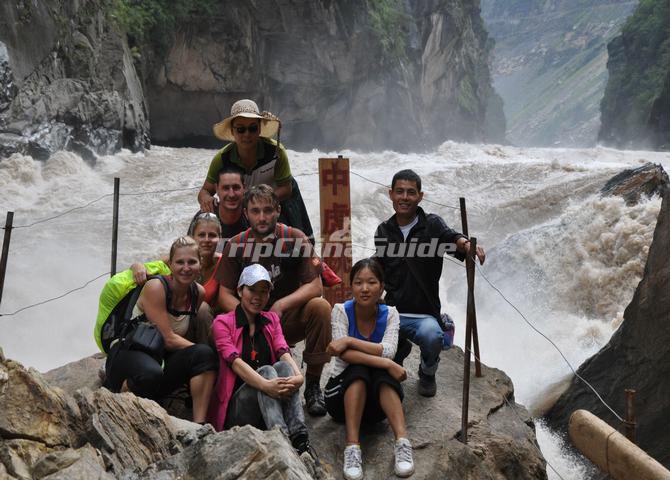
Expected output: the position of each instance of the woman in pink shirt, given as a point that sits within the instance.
(258, 380)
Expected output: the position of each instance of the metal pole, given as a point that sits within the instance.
(469, 265)
(5, 250)
(115, 225)
(630, 423)
(475, 335)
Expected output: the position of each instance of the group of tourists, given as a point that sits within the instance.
(222, 313)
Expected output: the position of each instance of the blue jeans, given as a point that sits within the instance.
(425, 332)
(249, 406)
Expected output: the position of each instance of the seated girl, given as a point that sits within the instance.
(365, 381)
(170, 303)
(258, 379)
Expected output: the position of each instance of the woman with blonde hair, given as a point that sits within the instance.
(153, 356)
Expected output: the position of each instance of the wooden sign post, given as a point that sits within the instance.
(334, 188)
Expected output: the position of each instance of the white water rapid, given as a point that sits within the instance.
(567, 258)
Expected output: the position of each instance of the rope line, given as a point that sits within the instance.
(388, 186)
(54, 298)
(62, 213)
(552, 343)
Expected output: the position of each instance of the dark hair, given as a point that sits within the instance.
(260, 192)
(409, 175)
(231, 169)
(370, 263)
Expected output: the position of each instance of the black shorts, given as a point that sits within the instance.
(373, 378)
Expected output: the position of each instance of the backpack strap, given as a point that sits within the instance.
(193, 297)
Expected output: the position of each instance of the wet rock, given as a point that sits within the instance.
(632, 184)
(637, 357)
(67, 81)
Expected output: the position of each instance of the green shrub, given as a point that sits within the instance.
(387, 19)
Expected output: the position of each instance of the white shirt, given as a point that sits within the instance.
(405, 229)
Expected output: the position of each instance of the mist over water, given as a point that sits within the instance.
(567, 258)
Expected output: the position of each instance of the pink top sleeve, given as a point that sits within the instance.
(223, 329)
(280, 346)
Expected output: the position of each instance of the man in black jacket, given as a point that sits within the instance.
(410, 246)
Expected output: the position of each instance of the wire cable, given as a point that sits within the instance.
(552, 343)
(387, 186)
(54, 298)
(62, 213)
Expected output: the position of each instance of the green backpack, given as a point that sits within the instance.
(117, 299)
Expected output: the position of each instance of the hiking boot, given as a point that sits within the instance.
(300, 443)
(352, 467)
(404, 463)
(316, 405)
(427, 385)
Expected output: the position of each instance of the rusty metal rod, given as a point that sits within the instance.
(470, 266)
(630, 423)
(475, 334)
(5, 250)
(115, 226)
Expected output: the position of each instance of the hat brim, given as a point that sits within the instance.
(223, 129)
(259, 281)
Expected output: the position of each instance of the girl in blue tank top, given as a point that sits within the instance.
(365, 381)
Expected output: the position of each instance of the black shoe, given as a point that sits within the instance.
(316, 406)
(427, 385)
(404, 349)
(300, 443)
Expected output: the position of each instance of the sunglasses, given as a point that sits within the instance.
(207, 215)
(243, 129)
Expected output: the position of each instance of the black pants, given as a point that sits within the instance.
(145, 376)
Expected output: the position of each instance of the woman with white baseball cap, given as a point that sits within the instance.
(259, 381)
(263, 159)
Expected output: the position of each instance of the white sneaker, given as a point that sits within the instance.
(404, 463)
(353, 463)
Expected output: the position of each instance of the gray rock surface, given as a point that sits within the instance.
(321, 67)
(647, 180)
(67, 81)
(501, 440)
(637, 356)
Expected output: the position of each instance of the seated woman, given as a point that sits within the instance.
(170, 303)
(365, 381)
(258, 380)
(205, 229)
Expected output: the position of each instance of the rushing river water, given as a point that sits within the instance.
(567, 258)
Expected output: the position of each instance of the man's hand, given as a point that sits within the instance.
(206, 201)
(277, 387)
(481, 254)
(337, 347)
(397, 371)
(139, 273)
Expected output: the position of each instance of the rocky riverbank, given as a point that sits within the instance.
(62, 425)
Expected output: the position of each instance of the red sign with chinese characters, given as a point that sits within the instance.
(336, 224)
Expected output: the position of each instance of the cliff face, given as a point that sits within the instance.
(550, 65)
(636, 106)
(67, 81)
(340, 75)
(637, 356)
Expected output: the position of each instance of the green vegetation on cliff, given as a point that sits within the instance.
(639, 68)
(387, 19)
(154, 22)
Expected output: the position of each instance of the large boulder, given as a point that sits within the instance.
(632, 184)
(637, 356)
(67, 81)
(501, 436)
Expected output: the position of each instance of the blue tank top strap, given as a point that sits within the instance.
(380, 325)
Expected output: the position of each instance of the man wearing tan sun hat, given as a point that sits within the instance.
(263, 159)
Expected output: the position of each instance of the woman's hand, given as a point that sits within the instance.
(294, 382)
(277, 387)
(397, 371)
(139, 273)
(337, 347)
